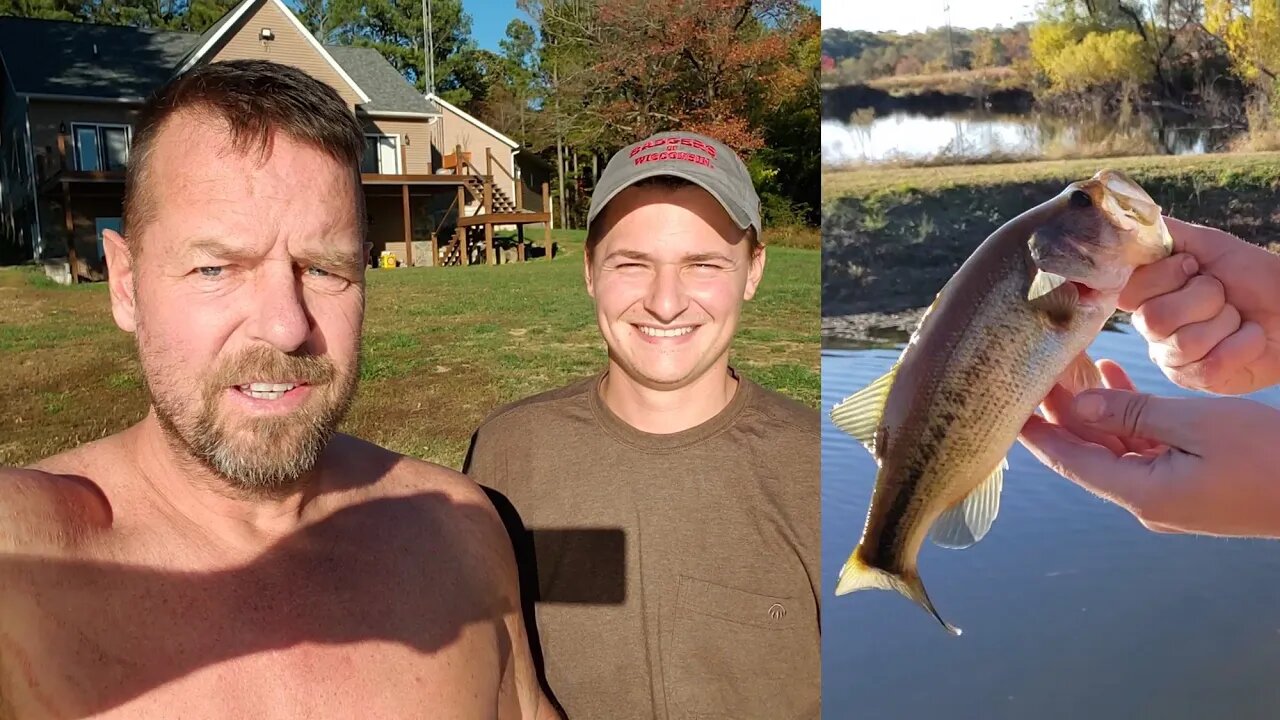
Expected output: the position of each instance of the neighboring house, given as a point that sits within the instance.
(70, 92)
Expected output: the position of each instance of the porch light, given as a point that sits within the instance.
(406, 140)
(265, 35)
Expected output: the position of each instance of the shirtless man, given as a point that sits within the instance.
(230, 556)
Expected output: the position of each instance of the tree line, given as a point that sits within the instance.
(861, 56)
(579, 79)
(1218, 58)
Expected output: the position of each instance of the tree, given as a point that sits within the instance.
(395, 29)
(1114, 59)
(990, 52)
(43, 9)
(328, 20)
(1251, 33)
(512, 85)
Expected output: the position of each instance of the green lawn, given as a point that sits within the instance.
(1212, 170)
(443, 347)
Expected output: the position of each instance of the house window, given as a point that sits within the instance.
(101, 147)
(381, 154)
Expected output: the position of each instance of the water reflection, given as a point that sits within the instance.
(1069, 607)
(902, 136)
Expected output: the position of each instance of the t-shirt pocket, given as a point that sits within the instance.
(742, 655)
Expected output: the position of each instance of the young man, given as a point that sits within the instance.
(230, 555)
(671, 504)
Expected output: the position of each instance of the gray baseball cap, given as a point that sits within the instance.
(697, 158)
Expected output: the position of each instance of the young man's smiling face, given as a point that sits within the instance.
(669, 275)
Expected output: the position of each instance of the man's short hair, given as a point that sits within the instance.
(666, 182)
(254, 98)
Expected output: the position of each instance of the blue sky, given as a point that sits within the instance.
(915, 15)
(489, 19)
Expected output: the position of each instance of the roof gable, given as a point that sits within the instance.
(473, 120)
(234, 22)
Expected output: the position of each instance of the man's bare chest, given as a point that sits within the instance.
(308, 632)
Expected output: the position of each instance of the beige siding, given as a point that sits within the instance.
(453, 129)
(417, 153)
(288, 48)
(46, 116)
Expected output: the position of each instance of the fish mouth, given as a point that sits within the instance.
(1129, 208)
(1093, 295)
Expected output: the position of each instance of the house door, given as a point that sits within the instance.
(381, 154)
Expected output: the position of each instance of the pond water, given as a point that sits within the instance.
(971, 135)
(1069, 607)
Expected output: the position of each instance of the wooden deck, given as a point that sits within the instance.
(456, 176)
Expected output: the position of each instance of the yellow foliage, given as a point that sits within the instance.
(1049, 39)
(1100, 58)
(1252, 37)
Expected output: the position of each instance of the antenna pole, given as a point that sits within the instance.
(429, 62)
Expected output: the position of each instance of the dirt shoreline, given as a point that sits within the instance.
(891, 239)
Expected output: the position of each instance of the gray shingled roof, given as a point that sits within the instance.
(108, 61)
(67, 58)
(387, 88)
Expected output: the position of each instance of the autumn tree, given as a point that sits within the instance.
(1251, 33)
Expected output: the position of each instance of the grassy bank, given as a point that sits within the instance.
(893, 236)
(974, 83)
(443, 347)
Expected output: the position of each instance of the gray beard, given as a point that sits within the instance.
(266, 457)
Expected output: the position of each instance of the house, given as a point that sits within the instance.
(70, 92)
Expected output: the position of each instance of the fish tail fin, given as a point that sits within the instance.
(857, 575)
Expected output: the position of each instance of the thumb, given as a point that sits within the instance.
(1177, 422)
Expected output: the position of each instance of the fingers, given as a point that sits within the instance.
(1115, 378)
(1122, 480)
(1178, 422)
(1159, 278)
(1060, 410)
(1193, 342)
(1233, 357)
(1200, 299)
(1204, 243)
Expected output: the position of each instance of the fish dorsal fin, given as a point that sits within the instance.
(1053, 295)
(860, 413)
(966, 522)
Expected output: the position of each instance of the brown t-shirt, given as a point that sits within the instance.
(673, 576)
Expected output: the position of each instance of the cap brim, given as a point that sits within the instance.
(740, 216)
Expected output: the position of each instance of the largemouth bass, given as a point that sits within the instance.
(1015, 319)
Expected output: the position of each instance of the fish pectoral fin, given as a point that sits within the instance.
(1082, 374)
(965, 523)
(860, 413)
(1053, 295)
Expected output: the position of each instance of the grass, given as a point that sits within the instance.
(1223, 168)
(981, 81)
(893, 236)
(442, 348)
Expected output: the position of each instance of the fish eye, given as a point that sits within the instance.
(1081, 199)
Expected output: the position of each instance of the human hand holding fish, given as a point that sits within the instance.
(1184, 465)
(1210, 312)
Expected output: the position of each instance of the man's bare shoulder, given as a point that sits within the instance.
(54, 502)
(404, 476)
